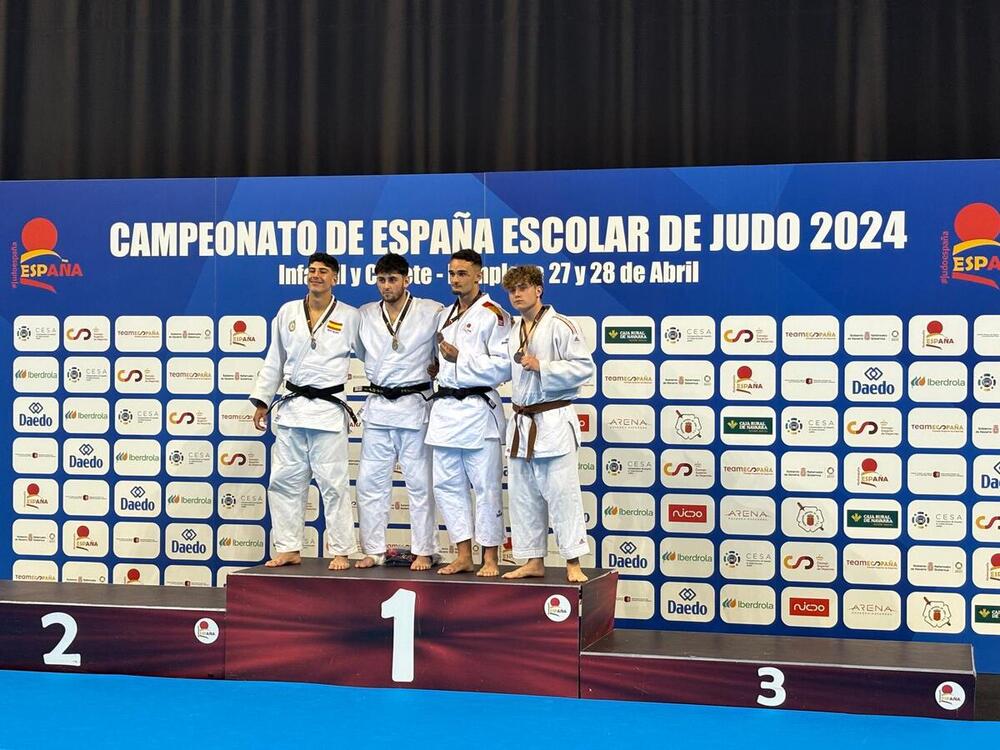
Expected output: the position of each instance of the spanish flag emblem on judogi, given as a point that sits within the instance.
(334, 326)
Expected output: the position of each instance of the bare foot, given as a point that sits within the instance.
(422, 562)
(574, 573)
(365, 562)
(489, 569)
(534, 568)
(284, 558)
(461, 565)
(339, 562)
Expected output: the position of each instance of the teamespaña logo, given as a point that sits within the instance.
(976, 257)
(40, 265)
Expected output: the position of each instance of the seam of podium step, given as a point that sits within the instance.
(439, 579)
(778, 661)
(112, 606)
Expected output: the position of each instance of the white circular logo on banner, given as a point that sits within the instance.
(206, 630)
(557, 608)
(950, 696)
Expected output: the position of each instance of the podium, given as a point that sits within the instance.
(161, 631)
(902, 678)
(385, 627)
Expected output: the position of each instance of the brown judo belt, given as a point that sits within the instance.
(530, 411)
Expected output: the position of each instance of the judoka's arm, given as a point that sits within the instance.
(269, 376)
(492, 366)
(572, 367)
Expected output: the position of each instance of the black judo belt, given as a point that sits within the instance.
(481, 391)
(314, 392)
(393, 393)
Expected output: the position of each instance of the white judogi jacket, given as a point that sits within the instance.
(565, 366)
(480, 335)
(290, 357)
(407, 365)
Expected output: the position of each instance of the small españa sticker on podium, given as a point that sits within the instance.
(206, 630)
(950, 695)
(557, 608)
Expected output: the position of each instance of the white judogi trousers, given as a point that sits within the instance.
(380, 449)
(302, 454)
(455, 469)
(546, 492)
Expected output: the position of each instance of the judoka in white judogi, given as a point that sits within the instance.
(467, 433)
(395, 429)
(310, 433)
(543, 475)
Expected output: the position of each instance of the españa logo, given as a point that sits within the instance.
(975, 258)
(40, 264)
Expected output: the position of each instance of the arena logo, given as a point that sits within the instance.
(40, 265)
(975, 257)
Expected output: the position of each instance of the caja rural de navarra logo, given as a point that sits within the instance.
(976, 257)
(40, 265)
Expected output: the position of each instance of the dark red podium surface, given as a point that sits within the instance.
(163, 631)
(902, 678)
(385, 627)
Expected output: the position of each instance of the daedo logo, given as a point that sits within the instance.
(40, 265)
(974, 259)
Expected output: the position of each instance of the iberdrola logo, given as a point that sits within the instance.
(40, 265)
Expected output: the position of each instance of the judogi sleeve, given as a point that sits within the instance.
(572, 365)
(269, 376)
(491, 367)
(358, 344)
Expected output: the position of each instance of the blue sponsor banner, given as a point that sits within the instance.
(794, 428)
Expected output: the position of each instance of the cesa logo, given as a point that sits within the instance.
(228, 459)
(975, 258)
(40, 265)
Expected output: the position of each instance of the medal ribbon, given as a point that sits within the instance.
(525, 335)
(394, 332)
(319, 325)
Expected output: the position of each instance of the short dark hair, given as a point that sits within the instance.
(326, 259)
(392, 263)
(468, 255)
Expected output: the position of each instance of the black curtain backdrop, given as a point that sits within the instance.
(223, 87)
